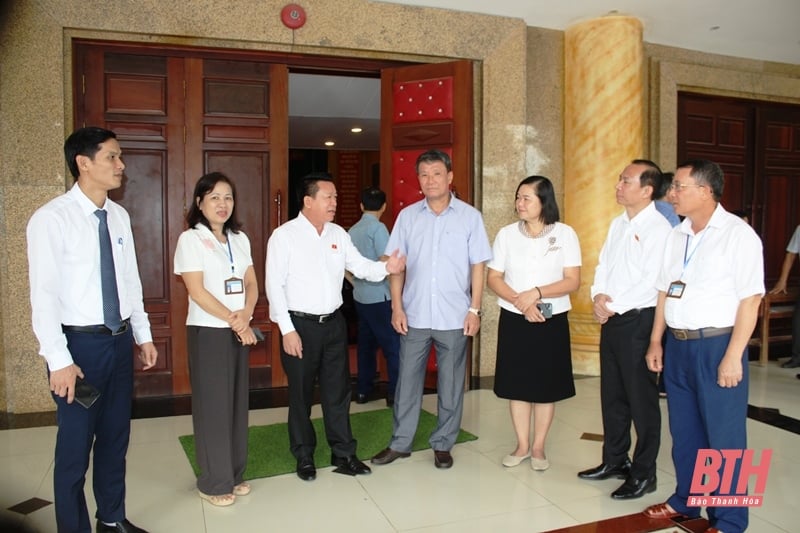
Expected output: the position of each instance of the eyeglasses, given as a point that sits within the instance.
(678, 187)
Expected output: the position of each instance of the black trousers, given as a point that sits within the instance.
(325, 360)
(629, 392)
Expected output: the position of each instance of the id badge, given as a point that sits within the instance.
(234, 286)
(676, 289)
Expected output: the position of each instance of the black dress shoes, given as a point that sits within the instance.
(350, 466)
(387, 456)
(605, 471)
(442, 459)
(361, 398)
(635, 488)
(119, 527)
(390, 401)
(306, 469)
(794, 362)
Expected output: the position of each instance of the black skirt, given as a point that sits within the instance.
(534, 359)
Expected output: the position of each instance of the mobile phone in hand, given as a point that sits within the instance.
(546, 309)
(85, 393)
(259, 335)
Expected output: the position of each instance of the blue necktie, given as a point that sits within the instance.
(111, 316)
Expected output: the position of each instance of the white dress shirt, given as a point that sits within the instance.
(305, 270)
(631, 260)
(724, 265)
(64, 269)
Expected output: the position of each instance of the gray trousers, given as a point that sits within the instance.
(451, 358)
(218, 368)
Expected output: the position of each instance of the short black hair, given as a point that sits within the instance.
(205, 185)
(652, 176)
(707, 173)
(310, 185)
(84, 141)
(543, 188)
(432, 156)
(372, 199)
(666, 183)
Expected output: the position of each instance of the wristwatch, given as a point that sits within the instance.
(476, 312)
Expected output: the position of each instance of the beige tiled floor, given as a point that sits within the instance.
(477, 495)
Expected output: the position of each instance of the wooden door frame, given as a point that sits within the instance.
(279, 153)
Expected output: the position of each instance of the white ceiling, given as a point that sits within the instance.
(326, 107)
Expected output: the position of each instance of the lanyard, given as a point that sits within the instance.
(230, 254)
(686, 249)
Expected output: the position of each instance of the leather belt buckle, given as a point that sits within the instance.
(680, 334)
(323, 319)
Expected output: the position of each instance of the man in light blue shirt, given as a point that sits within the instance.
(373, 300)
(436, 303)
(663, 206)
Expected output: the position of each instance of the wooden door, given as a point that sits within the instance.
(178, 116)
(777, 171)
(720, 130)
(233, 109)
(424, 107)
(757, 144)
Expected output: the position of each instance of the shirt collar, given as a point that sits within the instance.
(450, 204)
(642, 215)
(86, 205)
(717, 220)
(311, 226)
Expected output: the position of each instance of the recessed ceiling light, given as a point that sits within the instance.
(329, 143)
(356, 129)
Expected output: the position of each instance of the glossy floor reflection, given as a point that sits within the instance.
(477, 495)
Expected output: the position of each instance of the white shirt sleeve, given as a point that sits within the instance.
(44, 242)
(277, 273)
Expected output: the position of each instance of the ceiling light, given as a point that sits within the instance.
(356, 130)
(329, 143)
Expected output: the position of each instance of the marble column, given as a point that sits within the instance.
(603, 131)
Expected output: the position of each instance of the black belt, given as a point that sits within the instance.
(98, 329)
(704, 333)
(319, 319)
(631, 312)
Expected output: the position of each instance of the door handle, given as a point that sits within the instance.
(278, 202)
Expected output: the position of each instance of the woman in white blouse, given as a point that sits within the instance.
(535, 266)
(213, 259)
